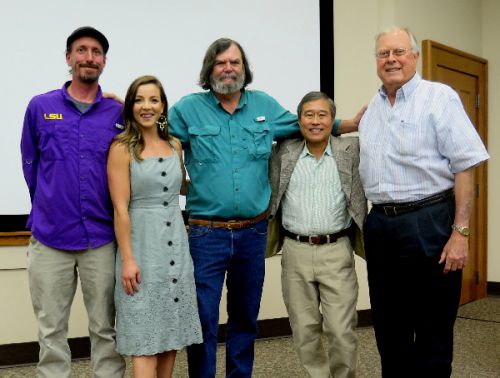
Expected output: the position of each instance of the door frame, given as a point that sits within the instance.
(477, 66)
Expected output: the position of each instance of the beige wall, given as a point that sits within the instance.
(490, 31)
(17, 320)
(469, 25)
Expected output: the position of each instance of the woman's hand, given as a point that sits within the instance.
(131, 276)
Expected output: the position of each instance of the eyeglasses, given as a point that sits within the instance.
(311, 115)
(383, 54)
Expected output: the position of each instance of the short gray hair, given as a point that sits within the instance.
(413, 40)
(313, 96)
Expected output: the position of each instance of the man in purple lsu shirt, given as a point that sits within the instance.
(65, 140)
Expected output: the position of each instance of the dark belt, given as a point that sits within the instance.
(230, 224)
(394, 208)
(317, 239)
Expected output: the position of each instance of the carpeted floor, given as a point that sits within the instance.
(477, 351)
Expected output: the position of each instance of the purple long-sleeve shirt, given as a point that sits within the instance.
(64, 163)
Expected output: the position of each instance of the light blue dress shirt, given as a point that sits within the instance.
(227, 155)
(412, 149)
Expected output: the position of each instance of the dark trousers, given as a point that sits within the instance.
(414, 304)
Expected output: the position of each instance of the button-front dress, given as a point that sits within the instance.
(163, 315)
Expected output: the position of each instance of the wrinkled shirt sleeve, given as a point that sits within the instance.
(178, 126)
(284, 122)
(457, 137)
(29, 152)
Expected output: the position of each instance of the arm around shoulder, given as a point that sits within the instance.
(350, 125)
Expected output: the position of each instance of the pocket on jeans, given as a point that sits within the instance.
(198, 231)
(260, 228)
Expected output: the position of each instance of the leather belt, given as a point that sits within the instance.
(230, 224)
(394, 208)
(317, 239)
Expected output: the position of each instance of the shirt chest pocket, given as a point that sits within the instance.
(259, 140)
(411, 141)
(54, 139)
(203, 141)
(97, 144)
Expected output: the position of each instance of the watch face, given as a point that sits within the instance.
(465, 231)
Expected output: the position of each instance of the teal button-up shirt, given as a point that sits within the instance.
(227, 155)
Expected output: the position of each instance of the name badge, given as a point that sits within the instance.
(260, 119)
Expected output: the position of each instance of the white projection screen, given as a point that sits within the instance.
(165, 38)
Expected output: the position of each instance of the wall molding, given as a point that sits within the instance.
(493, 288)
(27, 353)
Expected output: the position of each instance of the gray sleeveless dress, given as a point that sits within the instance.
(163, 315)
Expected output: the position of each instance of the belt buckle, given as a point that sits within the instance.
(390, 210)
(310, 237)
(229, 223)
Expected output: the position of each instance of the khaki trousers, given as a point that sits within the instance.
(320, 291)
(53, 278)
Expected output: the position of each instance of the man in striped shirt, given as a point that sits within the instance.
(418, 149)
(318, 208)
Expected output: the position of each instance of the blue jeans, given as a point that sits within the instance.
(240, 254)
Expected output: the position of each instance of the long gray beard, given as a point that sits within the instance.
(221, 88)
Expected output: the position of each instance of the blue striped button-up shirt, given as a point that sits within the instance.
(314, 203)
(412, 150)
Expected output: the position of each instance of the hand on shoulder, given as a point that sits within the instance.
(177, 143)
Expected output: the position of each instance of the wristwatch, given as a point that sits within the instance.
(462, 230)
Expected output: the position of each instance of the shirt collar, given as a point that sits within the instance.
(242, 103)
(66, 95)
(305, 151)
(407, 89)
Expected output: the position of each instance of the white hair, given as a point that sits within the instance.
(413, 40)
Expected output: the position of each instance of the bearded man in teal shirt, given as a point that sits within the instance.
(227, 133)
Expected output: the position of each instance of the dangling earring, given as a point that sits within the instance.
(162, 123)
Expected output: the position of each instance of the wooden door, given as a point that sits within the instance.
(467, 74)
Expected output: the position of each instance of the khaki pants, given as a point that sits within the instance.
(53, 278)
(320, 291)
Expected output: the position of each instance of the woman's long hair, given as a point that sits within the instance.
(132, 136)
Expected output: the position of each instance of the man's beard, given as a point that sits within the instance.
(88, 77)
(219, 87)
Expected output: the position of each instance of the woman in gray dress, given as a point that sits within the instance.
(155, 294)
